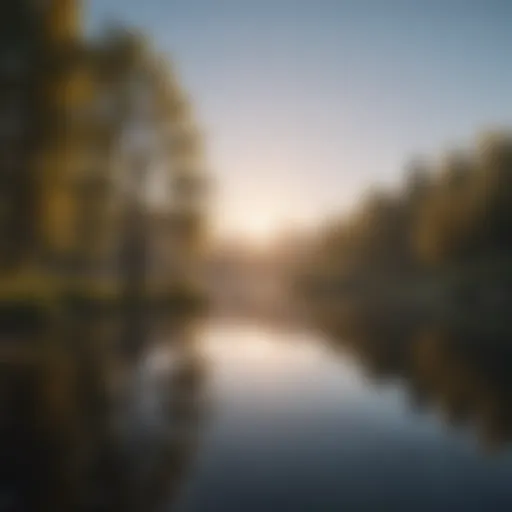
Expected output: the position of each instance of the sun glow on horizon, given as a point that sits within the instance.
(252, 228)
(260, 228)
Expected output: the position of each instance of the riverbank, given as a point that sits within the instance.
(476, 294)
(30, 303)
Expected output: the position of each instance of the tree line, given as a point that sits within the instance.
(449, 214)
(87, 124)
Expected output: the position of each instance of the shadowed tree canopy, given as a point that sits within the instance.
(454, 213)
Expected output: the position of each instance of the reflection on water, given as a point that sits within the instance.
(309, 421)
(365, 414)
(88, 426)
(465, 375)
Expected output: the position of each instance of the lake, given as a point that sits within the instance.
(232, 415)
(294, 424)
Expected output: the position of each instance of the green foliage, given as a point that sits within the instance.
(109, 115)
(456, 214)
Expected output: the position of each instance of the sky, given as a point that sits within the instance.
(307, 103)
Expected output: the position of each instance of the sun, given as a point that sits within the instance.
(260, 228)
(255, 229)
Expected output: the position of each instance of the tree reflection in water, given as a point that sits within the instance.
(84, 426)
(465, 374)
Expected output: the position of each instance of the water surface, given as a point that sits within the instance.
(297, 424)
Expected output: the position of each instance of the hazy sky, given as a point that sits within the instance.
(308, 102)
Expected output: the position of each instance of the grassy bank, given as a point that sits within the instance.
(31, 302)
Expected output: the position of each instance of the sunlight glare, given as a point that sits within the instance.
(260, 228)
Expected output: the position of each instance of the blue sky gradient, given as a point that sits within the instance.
(306, 103)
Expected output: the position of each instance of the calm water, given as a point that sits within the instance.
(243, 416)
(296, 425)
